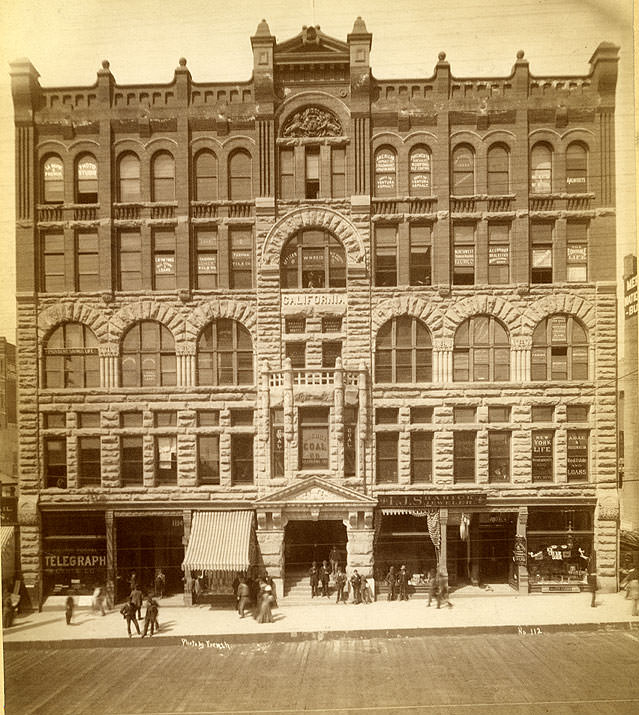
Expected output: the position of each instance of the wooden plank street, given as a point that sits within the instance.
(531, 672)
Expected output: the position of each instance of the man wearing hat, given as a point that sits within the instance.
(402, 582)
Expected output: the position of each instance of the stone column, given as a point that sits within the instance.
(264, 424)
(185, 356)
(338, 417)
(111, 558)
(520, 359)
(443, 525)
(359, 548)
(270, 539)
(522, 571)
(188, 589)
(362, 393)
(109, 374)
(290, 457)
(30, 550)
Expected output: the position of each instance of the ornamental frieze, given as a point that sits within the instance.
(312, 122)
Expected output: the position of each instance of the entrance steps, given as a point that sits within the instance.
(297, 590)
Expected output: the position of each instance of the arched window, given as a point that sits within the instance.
(541, 169)
(53, 180)
(225, 354)
(463, 171)
(313, 259)
(497, 179)
(205, 171)
(71, 357)
(560, 349)
(240, 175)
(481, 352)
(163, 175)
(403, 351)
(385, 172)
(129, 178)
(86, 180)
(419, 171)
(148, 356)
(576, 168)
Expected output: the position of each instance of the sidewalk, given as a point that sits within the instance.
(533, 614)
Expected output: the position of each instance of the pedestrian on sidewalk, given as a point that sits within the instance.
(128, 612)
(340, 583)
(324, 575)
(197, 589)
(160, 583)
(313, 573)
(333, 557)
(633, 591)
(365, 590)
(431, 584)
(243, 597)
(264, 614)
(402, 583)
(151, 615)
(391, 582)
(69, 605)
(269, 582)
(356, 586)
(592, 577)
(136, 598)
(443, 593)
(98, 600)
(8, 611)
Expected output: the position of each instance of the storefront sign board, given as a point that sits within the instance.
(419, 501)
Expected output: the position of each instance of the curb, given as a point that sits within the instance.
(224, 641)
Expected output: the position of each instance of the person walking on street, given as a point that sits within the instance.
(136, 598)
(69, 605)
(313, 573)
(243, 597)
(150, 616)
(264, 614)
(269, 582)
(333, 557)
(340, 583)
(391, 581)
(98, 600)
(356, 584)
(442, 590)
(128, 612)
(324, 574)
(402, 583)
(365, 590)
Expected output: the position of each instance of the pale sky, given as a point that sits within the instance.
(66, 40)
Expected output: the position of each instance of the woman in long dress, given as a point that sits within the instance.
(264, 614)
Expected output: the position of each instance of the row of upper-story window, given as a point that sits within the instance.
(313, 172)
(311, 258)
(403, 353)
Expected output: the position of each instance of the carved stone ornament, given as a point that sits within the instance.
(28, 510)
(312, 122)
(608, 509)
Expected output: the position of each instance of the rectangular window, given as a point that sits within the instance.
(421, 457)
(166, 419)
(498, 253)
(350, 441)
(463, 254)
(287, 173)
(464, 456)
(241, 459)
(131, 419)
(208, 459)
(297, 353)
(464, 415)
(543, 413)
(241, 258)
(208, 418)
(541, 252)
(498, 456)
(295, 325)
(206, 258)
(241, 418)
(330, 352)
(88, 263)
(386, 444)
(577, 455)
(88, 461)
(277, 442)
(131, 462)
(130, 260)
(164, 269)
(312, 159)
(332, 324)
(55, 458)
(166, 460)
(577, 413)
(53, 272)
(421, 415)
(420, 255)
(338, 172)
(542, 455)
(498, 414)
(386, 415)
(88, 420)
(386, 255)
(55, 420)
(577, 251)
(314, 442)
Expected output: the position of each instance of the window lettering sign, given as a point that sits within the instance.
(9, 510)
(314, 447)
(540, 184)
(207, 263)
(520, 551)
(385, 181)
(463, 161)
(559, 330)
(576, 180)
(385, 162)
(464, 256)
(164, 265)
(420, 181)
(577, 454)
(630, 296)
(87, 170)
(53, 169)
(497, 255)
(542, 258)
(542, 448)
(577, 253)
(66, 560)
(420, 161)
(240, 260)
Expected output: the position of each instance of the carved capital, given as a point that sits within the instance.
(608, 509)
(443, 344)
(28, 510)
(108, 350)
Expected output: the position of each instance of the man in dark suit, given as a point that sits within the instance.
(313, 573)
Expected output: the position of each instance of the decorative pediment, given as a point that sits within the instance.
(312, 122)
(318, 492)
(312, 41)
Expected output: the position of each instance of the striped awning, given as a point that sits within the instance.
(7, 546)
(220, 541)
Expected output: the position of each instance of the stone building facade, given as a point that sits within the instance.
(378, 315)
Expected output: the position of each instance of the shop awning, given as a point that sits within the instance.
(220, 541)
(7, 546)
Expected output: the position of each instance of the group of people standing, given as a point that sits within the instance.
(259, 592)
(436, 584)
(131, 611)
(356, 586)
